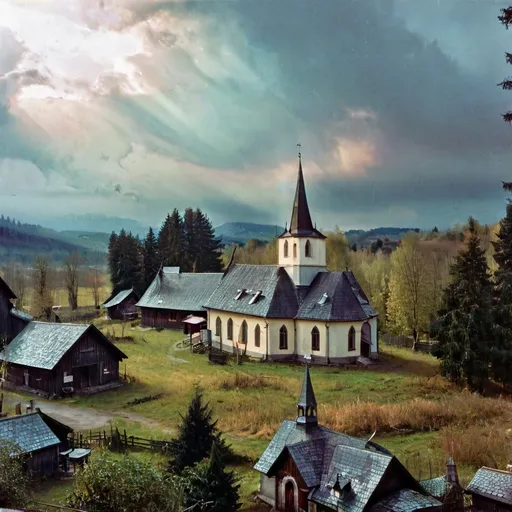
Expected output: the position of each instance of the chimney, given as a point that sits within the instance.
(451, 472)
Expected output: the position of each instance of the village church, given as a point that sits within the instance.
(296, 308)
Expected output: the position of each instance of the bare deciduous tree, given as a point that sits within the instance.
(43, 300)
(71, 268)
(95, 282)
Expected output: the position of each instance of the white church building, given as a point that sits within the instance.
(296, 308)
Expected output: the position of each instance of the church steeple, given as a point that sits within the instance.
(301, 224)
(307, 406)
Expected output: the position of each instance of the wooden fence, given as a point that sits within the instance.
(116, 441)
(408, 342)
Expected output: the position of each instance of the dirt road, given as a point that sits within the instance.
(85, 418)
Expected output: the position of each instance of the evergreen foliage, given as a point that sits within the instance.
(464, 327)
(196, 436)
(188, 243)
(211, 485)
(506, 85)
(501, 357)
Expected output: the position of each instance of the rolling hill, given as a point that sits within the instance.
(240, 232)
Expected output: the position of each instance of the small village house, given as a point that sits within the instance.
(39, 437)
(491, 490)
(123, 306)
(307, 467)
(47, 357)
(12, 320)
(295, 308)
(175, 295)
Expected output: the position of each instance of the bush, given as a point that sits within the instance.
(112, 483)
(14, 482)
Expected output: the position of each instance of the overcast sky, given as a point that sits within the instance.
(133, 107)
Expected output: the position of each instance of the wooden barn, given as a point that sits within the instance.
(491, 490)
(122, 306)
(39, 437)
(47, 357)
(12, 321)
(309, 467)
(173, 296)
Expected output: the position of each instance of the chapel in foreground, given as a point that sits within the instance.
(309, 468)
(296, 308)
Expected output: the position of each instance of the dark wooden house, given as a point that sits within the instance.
(12, 321)
(122, 306)
(173, 296)
(47, 357)
(307, 467)
(491, 490)
(39, 437)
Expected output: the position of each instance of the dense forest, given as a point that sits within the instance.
(186, 241)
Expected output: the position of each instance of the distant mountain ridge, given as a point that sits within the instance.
(240, 232)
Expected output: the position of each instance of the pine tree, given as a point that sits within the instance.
(501, 357)
(197, 433)
(506, 85)
(170, 241)
(208, 256)
(210, 486)
(464, 327)
(113, 259)
(150, 255)
(190, 237)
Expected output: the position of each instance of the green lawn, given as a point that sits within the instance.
(252, 399)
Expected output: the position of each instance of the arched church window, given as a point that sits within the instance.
(315, 339)
(257, 334)
(286, 249)
(283, 338)
(352, 338)
(244, 332)
(230, 329)
(218, 327)
(294, 250)
(308, 249)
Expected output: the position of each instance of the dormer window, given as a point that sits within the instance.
(239, 294)
(256, 297)
(323, 299)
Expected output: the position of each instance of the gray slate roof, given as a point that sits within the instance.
(277, 300)
(118, 298)
(493, 484)
(406, 500)
(437, 487)
(42, 344)
(28, 431)
(180, 291)
(346, 300)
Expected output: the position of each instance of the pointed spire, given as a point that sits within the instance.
(307, 406)
(301, 218)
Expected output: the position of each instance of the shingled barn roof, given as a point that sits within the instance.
(180, 291)
(120, 297)
(493, 484)
(42, 344)
(28, 431)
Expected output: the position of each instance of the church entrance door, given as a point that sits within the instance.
(289, 497)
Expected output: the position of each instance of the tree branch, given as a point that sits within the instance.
(506, 16)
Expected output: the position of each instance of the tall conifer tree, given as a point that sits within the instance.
(151, 261)
(208, 257)
(170, 240)
(464, 327)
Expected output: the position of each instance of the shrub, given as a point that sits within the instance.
(14, 482)
(124, 484)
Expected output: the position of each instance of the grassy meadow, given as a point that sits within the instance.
(416, 414)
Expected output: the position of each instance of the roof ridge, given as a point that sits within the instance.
(60, 323)
(344, 446)
(496, 470)
(16, 416)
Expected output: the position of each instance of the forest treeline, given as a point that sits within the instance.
(187, 241)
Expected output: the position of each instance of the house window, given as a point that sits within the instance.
(218, 327)
(257, 334)
(283, 338)
(294, 250)
(315, 339)
(230, 329)
(352, 338)
(308, 249)
(244, 332)
(286, 249)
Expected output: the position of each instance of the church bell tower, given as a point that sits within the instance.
(307, 406)
(302, 247)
